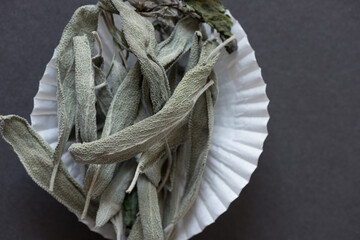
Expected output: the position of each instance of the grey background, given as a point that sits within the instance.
(307, 182)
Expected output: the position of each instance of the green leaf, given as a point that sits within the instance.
(213, 13)
(131, 208)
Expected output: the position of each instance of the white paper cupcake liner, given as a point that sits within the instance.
(239, 132)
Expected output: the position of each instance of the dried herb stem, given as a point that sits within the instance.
(89, 193)
(98, 40)
(221, 46)
(133, 182)
(101, 85)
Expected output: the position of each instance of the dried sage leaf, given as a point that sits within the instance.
(36, 156)
(86, 110)
(135, 139)
(153, 171)
(173, 198)
(118, 223)
(195, 51)
(85, 90)
(84, 21)
(149, 210)
(178, 43)
(200, 135)
(136, 231)
(125, 104)
(112, 198)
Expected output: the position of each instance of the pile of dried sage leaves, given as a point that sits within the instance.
(142, 129)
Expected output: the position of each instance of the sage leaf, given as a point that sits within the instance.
(100, 105)
(200, 135)
(149, 210)
(112, 198)
(85, 90)
(178, 43)
(173, 198)
(172, 177)
(84, 21)
(153, 171)
(118, 223)
(125, 104)
(167, 172)
(136, 231)
(36, 156)
(86, 111)
(195, 51)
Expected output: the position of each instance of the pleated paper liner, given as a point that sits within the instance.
(239, 132)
